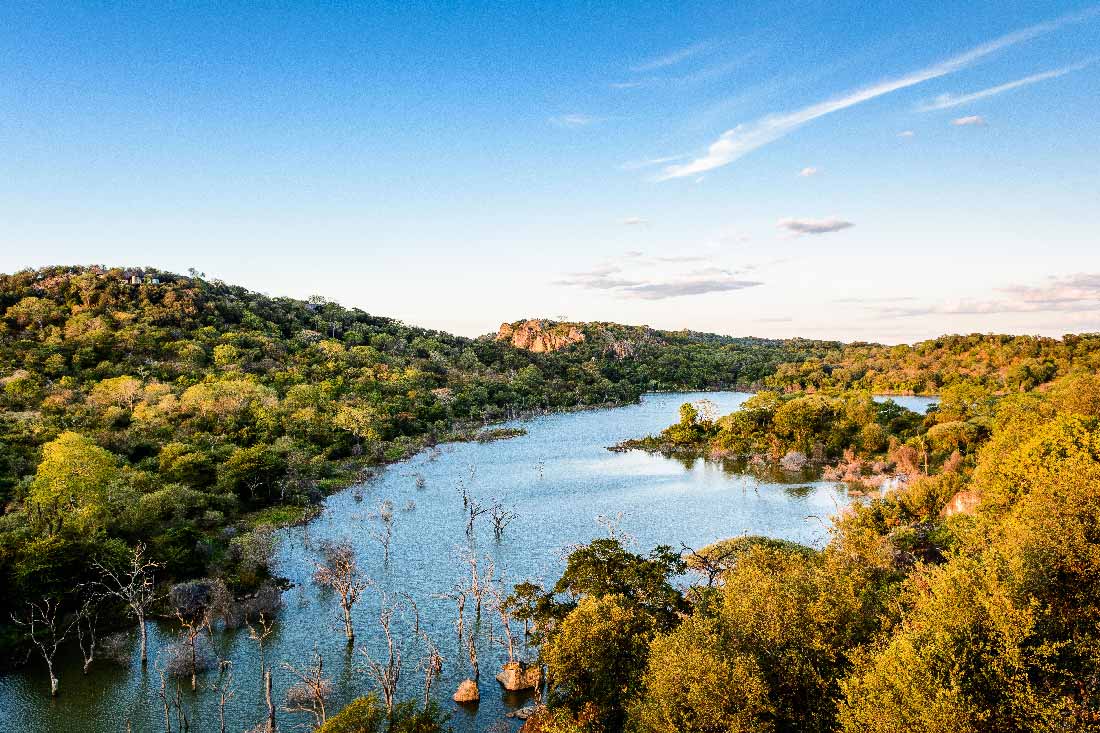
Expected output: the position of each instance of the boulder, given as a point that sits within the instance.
(516, 676)
(467, 693)
(522, 713)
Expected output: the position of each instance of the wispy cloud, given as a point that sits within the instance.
(906, 133)
(745, 138)
(1079, 293)
(631, 221)
(970, 120)
(814, 226)
(672, 58)
(699, 281)
(650, 162)
(808, 171)
(574, 120)
(946, 101)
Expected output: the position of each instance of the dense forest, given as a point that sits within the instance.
(964, 600)
(149, 419)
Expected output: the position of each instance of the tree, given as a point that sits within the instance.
(597, 654)
(338, 569)
(691, 685)
(71, 484)
(134, 584)
(387, 672)
(46, 632)
(311, 692)
(191, 603)
(604, 567)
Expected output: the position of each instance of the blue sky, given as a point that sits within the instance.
(852, 170)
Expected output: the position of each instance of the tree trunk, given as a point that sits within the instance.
(144, 637)
(54, 683)
(348, 630)
(270, 704)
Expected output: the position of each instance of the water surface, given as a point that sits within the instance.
(557, 479)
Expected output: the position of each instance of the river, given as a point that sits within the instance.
(556, 479)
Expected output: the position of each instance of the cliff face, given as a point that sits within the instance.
(540, 336)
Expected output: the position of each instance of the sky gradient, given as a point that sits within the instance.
(851, 170)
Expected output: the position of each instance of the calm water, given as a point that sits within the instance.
(557, 479)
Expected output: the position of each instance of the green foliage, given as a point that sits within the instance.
(367, 714)
(692, 685)
(597, 654)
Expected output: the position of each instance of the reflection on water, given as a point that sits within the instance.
(557, 478)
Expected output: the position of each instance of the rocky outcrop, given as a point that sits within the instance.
(467, 693)
(516, 676)
(540, 336)
(964, 502)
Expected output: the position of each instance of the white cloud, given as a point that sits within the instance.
(634, 221)
(574, 120)
(745, 138)
(649, 162)
(808, 171)
(814, 226)
(656, 278)
(906, 133)
(970, 120)
(672, 58)
(946, 101)
(1079, 293)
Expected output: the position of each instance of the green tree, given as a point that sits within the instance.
(71, 484)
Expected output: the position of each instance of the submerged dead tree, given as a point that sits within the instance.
(501, 517)
(338, 569)
(383, 533)
(86, 620)
(312, 690)
(135, 586)
(46, 632)
(387, 672)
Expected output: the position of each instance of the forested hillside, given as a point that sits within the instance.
(965, 600)
(997, 362)
(143, 406)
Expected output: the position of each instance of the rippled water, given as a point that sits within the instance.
(557, 478)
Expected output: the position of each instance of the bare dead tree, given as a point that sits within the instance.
(458, 595)
(431, 664)
(479, 581)
(162, 695)
(500, 605)
(311, 691)
(190, 628)
(474, 510)
(339, 570)
(46, 632)
(182, 723)
(135, 586)
(501, 517)
(613, 524)
(224, 689)
(383, 533)
(387, 673)
(259, 635)
(86, 620)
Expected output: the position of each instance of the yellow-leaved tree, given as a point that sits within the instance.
(72, 483)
